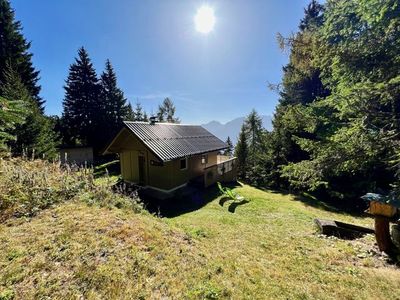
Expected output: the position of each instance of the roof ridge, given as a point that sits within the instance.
(162, 123)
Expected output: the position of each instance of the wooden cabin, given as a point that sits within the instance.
(166, 157)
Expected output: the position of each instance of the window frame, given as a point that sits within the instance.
(205, 157)
(186, 164)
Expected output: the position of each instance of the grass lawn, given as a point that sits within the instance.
(266, 248)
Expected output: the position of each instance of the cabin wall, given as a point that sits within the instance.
(79, 155)
(159, 176)
(194, 168)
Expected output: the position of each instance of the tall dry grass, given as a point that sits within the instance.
(28, 186)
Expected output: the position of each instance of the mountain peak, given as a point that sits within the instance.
(232, 128)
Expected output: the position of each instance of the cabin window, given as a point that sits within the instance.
(204, 159)
(183, 164)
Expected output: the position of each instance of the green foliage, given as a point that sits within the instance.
(36, 135)
(82, 105)
(92, 105)
(27, 187)
(241, 152)
(14, 52)
(228, 151)
(229, 193)
(336, 126)
(249, 149)
(113, 109)
(12, 113)
(166, 112)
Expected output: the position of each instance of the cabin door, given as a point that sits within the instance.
(141, 169)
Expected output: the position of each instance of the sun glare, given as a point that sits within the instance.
(204, 19)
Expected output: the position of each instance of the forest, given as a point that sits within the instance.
(335, 128)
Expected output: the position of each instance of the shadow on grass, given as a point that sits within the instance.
(355, 208)
(188, 200)
(223, 200)
(232, 207)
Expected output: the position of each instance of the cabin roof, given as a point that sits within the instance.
(170, 141)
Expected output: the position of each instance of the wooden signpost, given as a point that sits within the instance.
(384, 211)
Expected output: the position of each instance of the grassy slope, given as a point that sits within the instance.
(266, 249)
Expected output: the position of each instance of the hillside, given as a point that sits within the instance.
(264, 247)
(232, 128)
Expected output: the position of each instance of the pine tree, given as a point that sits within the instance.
(166, 112)
(36, 133)
(145, 118)
(228, 151)
(139, 116)
(241, 152)
(254, 132)
(114, 108)
(313, 16)
(82, 103)
(14, 50)
(130, 114)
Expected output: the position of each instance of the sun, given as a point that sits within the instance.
(204, 19)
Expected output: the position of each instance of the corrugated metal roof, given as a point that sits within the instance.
(171, 141)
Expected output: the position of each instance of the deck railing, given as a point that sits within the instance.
(225, 171)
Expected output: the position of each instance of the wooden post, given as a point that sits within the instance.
(382, 234)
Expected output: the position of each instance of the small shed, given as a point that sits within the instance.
(79, 155)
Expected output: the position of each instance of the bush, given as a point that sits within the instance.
(28, 186)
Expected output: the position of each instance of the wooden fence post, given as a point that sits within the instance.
(382, 234)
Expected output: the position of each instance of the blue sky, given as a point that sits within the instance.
(157, 52)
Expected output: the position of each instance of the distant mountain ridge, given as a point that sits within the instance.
(232, 128)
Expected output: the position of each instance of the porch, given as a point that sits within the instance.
(225, 170)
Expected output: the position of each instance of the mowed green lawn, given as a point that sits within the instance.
(267, 248)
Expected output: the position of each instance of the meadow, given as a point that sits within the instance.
(92, 243)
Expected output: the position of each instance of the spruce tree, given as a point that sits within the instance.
(82, 103)
(228, 151)
(14, 50)
(114, 108)
(139, 116)
(254, 132)
(166, 112)
(241, 152)
(130, 114)
(145, 117)
(36, 134)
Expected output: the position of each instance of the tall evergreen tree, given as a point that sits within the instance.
(145, 117)
(14, 50)
(313, 16)
(82, 103)
(254, 132)
(357, 126)
(139, 113)
(166, 112)
(130, 114)
(228, 151)
(114, 108)
(301, 85)
(36, 134)
(241, 152)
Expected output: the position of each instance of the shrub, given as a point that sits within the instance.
(28, 186)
